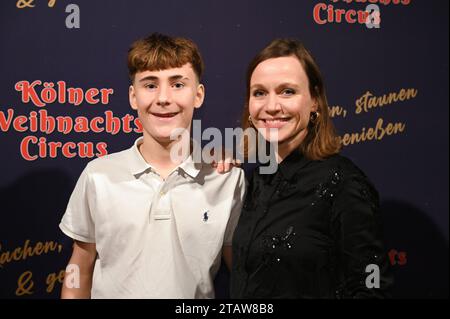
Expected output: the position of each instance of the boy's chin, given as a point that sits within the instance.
(164, 138)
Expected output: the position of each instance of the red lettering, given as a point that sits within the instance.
(6, 123)
(101, 149)
(28, 92)
(66, 150)
(105, 93)
(24, 146)
(47, 123)
(65, 124)
(75, 96)
(362, 16)
(18, 123)
(94, 124)
(126, 123)
(85, 149)
(392, 254)
(138, 124)
(112, 123)
(349, 16)
(54, 146)
(339, 13)
(90, 94)
(316, 13)
(61, 92)
(42, 147)
(81, 125)
(33, 121)
(48, 94)
(402, 258)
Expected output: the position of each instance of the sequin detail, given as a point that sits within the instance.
(327, 191)
(273, 243)
(369, 195)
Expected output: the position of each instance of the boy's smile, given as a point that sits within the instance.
(164, 116)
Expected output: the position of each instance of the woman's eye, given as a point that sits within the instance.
(288, 92)
(258, 93)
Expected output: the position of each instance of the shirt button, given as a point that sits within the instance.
(162, 193)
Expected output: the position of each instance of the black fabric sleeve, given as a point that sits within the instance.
(356, 225)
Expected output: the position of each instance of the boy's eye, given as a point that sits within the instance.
(179, 85)
(150, 86)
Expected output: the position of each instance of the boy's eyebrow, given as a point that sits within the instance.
(149, 78)
(171, 78)
(178, 77)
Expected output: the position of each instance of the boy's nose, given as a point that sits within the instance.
(163, 96)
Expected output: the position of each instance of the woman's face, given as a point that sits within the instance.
(280, 100)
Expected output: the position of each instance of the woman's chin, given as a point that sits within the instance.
(273, 136)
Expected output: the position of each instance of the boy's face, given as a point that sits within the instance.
(165, 100)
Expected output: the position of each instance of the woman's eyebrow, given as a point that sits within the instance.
(257, 85)
(288, 84)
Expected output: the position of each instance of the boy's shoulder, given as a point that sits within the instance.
(210, 175)
(110, 163)
(121, 161)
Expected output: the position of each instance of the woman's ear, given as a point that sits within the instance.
(132, 97)
(315, 105)
(199, 96)
(315, 99)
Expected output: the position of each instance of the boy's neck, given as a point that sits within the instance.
(157, 154)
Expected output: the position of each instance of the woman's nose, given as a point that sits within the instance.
(273, 105)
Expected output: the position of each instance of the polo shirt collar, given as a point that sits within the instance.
(190, 167)
(138, 165)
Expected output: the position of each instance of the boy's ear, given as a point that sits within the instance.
(199, 96)
(132, 97)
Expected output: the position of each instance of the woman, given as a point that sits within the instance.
(310, 229)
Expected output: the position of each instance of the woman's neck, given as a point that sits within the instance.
(286, 147)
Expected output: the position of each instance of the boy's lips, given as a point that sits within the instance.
(167, 115)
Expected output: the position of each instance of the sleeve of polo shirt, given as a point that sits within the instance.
(77, 221)
(238, 200)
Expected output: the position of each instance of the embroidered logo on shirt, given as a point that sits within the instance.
(205, 216)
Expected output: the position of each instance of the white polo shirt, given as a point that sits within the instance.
(155, 238)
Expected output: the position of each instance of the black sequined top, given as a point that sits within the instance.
(311, 230)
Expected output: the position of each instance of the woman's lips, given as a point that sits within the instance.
(274, 123)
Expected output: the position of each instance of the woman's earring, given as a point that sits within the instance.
(250, 120)
(313, 117)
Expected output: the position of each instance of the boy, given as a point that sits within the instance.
(144, 224)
